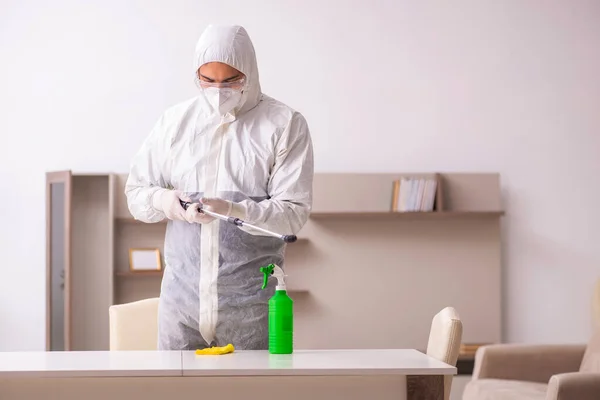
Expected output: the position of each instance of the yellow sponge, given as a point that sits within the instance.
(215, 351)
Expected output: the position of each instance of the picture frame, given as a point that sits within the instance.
(144, 260)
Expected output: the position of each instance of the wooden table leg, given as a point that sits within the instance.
(425, 387)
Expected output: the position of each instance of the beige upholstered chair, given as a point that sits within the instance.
(539, 372)
(134, 326)
(445, 337)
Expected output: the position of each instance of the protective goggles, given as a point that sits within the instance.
(234, 84)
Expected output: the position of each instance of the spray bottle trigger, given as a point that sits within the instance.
(267, 271)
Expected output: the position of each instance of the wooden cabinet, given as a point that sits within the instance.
(359, 266)
(79, 260)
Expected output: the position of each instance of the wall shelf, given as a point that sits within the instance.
(131, 221)
(145, 274)
(159, 274)
(128, 220)
(297, 291)
(408, 214)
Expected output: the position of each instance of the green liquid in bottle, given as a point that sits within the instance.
(281, 323)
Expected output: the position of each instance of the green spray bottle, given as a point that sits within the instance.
(281, 313)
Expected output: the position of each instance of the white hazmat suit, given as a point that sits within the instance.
(259, 158)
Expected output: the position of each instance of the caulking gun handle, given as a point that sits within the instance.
(186, 204)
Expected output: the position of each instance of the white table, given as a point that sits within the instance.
(76, 364)
(306, 374)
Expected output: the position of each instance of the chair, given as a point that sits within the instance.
(444, 342)
(539, 372)
(134, 326)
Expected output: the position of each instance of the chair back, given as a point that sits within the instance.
(444, 342)
(134, 326)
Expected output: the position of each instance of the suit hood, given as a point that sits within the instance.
(231, 45)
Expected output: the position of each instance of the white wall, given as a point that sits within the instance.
(508, 86)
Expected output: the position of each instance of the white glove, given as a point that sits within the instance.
(215, 205)
(167, 201)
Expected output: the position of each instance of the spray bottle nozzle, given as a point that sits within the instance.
(268, 270)
(276, 271)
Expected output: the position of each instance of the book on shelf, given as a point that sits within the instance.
(414, 194)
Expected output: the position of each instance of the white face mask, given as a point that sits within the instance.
(223, 100)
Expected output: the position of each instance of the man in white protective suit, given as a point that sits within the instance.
(239, 153)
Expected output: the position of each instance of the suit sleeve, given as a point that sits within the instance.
(290, 185)
(145, 180)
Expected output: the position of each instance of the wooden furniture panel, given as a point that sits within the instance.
(381, 387)
(58, 260)
(366, 194)
(112, 187)
(139, 287)
(136, 236)
(388, 277)
(359, 269)
(472, 192)
(132, 286)
(355, 193)
(91, 263)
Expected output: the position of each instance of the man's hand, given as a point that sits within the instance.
(167, 201)
(215, 205)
